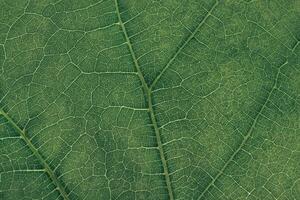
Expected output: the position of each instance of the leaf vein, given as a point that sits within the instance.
(247, 136)
(34, 150)
(192, 35)
(148, 99)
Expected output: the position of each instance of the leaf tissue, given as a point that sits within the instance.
(149, 100)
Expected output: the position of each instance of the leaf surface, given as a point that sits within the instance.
(140, 99)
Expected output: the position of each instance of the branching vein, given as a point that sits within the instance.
(247, 136)
(34, 150)
(192, 35)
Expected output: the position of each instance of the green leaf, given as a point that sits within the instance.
(149, 99)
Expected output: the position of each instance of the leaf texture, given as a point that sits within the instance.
(149, 99)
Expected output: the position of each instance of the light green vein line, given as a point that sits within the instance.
(48, 170)
(148, 98)
(192, 35)
(248, 135)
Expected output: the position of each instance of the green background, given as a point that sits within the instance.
(149, 99)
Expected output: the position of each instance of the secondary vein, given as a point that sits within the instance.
(148, 99)
(192, 35)
(247, 136)
(34, 150)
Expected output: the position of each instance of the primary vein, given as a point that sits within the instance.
(34, 150)
(148, 98)
(247, 136)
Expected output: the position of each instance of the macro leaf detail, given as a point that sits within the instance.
(149, 99)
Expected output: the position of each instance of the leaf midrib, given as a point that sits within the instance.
(148, 89)
(148, 99)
